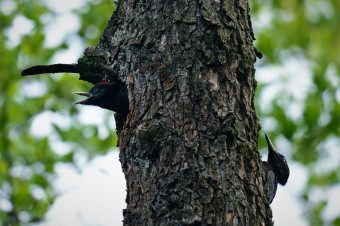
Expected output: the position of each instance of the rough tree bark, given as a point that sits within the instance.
(189, 146)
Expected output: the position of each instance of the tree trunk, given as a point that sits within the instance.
(189, 145)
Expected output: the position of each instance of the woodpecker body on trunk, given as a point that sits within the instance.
(276, 170)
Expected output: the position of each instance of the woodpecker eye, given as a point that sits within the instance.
(95, 91)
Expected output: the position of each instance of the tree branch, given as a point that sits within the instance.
(53, 68)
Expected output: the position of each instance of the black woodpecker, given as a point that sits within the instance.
(110, 96)
(276, 170)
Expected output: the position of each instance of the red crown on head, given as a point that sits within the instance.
(106, 83)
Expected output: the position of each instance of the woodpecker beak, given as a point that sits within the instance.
(269, 143)
(86, 94)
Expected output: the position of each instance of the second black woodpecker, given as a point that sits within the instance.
(276, 170)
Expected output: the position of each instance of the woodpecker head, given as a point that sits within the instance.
(278, 163)
(106, 95)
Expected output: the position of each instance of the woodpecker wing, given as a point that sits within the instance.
(270, 180)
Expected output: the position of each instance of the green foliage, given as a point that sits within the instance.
(90, 30)
(311, 29)
(27, 160)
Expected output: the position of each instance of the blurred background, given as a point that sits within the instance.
(58, 161)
